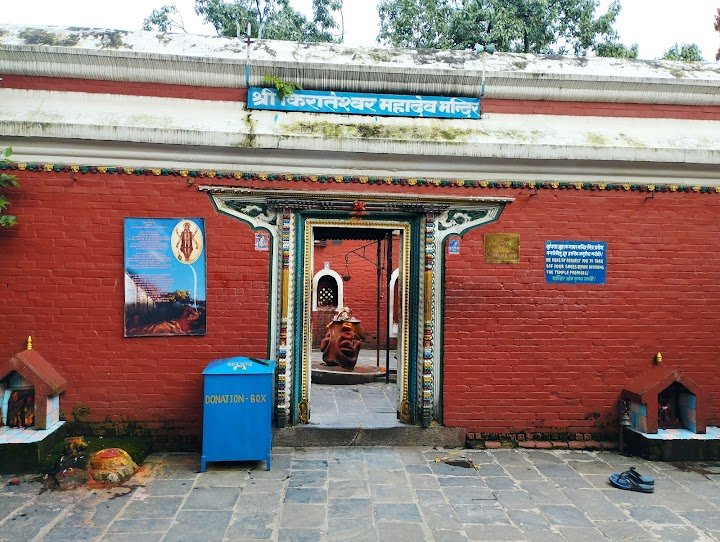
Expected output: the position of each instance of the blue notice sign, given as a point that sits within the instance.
(575, 262)
(357, 103)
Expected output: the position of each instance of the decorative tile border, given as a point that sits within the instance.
(428, 350)
(285, 350)
(191, 174)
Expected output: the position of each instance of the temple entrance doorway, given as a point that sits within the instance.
(358, 350)
(355, 324)
(287, 224)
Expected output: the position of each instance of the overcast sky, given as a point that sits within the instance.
(654, 24)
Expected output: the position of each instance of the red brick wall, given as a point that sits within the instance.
(520, 355)
(523, 355)
(62, 282)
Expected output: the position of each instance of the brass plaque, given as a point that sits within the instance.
(502, 247)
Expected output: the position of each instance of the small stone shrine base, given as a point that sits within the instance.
(24, 449)
(334, 374)
(674, 444)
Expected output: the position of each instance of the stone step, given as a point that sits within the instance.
(307, 436)
(27, 450)
(674, 444)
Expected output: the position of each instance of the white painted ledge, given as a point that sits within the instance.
(226, 129)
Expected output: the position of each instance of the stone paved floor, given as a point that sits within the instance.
(375, 494)
(363, 405)
(369, 406)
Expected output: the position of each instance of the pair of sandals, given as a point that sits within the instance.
(632, 480)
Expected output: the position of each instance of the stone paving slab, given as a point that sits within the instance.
(374, 494)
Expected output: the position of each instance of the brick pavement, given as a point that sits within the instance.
(375, 494)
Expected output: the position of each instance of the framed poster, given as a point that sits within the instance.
(164, 277)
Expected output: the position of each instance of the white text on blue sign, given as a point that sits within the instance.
(575, 262)
(357, 103)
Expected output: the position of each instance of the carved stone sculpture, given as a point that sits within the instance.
(111, 465)
(341, 344)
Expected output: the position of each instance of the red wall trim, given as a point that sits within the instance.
(124, 88)
(602, 109)
(489, 105)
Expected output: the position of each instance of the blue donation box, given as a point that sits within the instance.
(237, 410)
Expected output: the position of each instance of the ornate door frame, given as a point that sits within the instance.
(289, 216)
(409, 226)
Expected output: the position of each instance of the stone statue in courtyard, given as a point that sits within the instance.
(341, 344)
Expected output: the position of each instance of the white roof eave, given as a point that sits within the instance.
(93, 118)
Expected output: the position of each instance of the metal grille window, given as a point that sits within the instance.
(327, 294)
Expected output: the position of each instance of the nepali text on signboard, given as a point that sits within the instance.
(357, 103)
(502, 247)
(575, 262)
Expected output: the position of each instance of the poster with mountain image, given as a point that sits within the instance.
(165, 277)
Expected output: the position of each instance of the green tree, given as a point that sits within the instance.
(717, 27)
(165, 19)
(525, 26)
(6, 180)
(269, 19)
(689, 52)
(617, 50)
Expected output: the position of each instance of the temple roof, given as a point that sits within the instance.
(219, 61)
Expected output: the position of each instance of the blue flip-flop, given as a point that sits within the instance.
(623, 481)
(639, 478)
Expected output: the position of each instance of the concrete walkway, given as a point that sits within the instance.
(375, 494)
